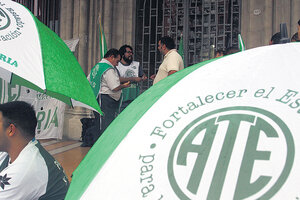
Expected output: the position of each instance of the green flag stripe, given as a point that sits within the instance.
(117, 131)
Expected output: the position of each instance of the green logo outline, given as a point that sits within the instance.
(289, 142)
(4, 14)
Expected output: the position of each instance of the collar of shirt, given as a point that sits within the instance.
(169, 52)
(106, 61)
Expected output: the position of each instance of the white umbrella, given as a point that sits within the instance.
(222, 129)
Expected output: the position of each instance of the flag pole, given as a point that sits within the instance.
(102, 41)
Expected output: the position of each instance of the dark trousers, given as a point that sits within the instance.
(110, 108)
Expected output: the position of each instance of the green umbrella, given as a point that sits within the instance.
(34, 56)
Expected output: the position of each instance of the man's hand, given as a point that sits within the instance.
(144, 77)
(153, 76)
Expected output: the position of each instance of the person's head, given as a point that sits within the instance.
(165, 44)
(113, 56)
(299, 22)
(232, 50)
(219, 53)
(275, 39)
(126, 53)
(16, 116)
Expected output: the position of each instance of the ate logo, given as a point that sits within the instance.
(228, 154)
(4, 20)
(4, 181)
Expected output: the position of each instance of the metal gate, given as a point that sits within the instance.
(47, 11)
(205, 25)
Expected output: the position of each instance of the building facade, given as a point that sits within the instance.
(204, 25)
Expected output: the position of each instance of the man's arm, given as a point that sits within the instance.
(131, 79)
(171, 72)
(121, 86)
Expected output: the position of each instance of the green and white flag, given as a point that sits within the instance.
(181, 48)
(34, 56)
(241, 43)
(102, 41)
(225, 128)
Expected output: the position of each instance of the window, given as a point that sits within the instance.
(47, 11)
(205, 25)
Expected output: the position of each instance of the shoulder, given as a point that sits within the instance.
(174, 53)
(120, 65)
(27, 176)
(136, 63)
(110, 73)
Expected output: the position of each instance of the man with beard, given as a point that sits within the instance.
(172, 60)
(129, 71)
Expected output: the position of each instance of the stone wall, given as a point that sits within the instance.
(261, 19)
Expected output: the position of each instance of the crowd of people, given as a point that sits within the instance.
(120, 77)
(120, 82)
(27, 170)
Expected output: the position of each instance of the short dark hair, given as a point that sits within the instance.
(276, 38)
(299, 22)
(122, 49)
(22, 115)
(168, 41)
(112, 52)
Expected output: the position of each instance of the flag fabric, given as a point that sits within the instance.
(102, 41)
(180, 48)
(235, 127)
(241, 43)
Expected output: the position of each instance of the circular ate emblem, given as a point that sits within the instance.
(4, 20)
(228, 154)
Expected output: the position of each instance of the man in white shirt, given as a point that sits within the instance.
(105, 81)
(129, 70)
(172, 60)
(30, 172)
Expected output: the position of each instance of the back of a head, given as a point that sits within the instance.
(22, 115)
(112, 52)
(219, 53)
(122, 49)
(275, 39)
(168, 41)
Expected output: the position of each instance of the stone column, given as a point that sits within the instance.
(83, 34)
(108, 20)
(75, 24)
(66, 19)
